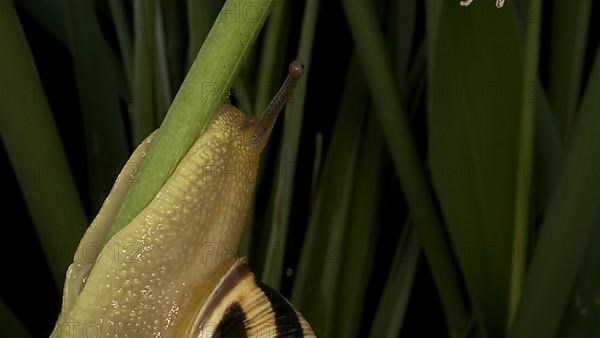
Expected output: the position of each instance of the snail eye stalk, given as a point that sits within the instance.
(280, 99)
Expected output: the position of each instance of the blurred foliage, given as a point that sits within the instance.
(465, 136)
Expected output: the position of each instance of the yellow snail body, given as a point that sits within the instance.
(173, 271)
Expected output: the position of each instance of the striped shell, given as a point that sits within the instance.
(239, 306)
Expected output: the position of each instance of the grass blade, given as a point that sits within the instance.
(549, 149)
(549, 152)
(522, 217)
(10, 325)
(175, 31)
(124, 36)
(431, 27)
(162, 78)
(568, 225)
(241, 92)
(361, 228)
(473, 110)
(201, 15)
(408, 166)
(294, 114)
(142, 112)
(570, 24)
(104, 127)
(320, 260)
(396, 294)
(316, 168)
(201, 94)
(403, 29)
(272, 55)
(35, 150)
(582, 318)
(49, 14)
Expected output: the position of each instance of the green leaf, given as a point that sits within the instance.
(124, 36)
(10, 325)
(548, 149)
(582, 318)
(549, 152)
(201, 94)
(570, 23)
(473, 121)
(272, 55)
(396, 294)
(35, 150)
(201, 15)
(321, 257)
(175, 29)
(568, 225)
(162, 78)
(434, 8)
(143, 110)
(403, 23)
(525, 155)
(241, 92)
(316, 168)
(49, 14)
(377, 68)
(105, 139)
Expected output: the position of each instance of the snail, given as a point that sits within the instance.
(173, 270)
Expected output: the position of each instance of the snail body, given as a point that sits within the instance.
(173, 270)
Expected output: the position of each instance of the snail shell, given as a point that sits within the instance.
(239, 306)
(172, 271)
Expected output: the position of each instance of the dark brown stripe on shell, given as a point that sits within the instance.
(286, 318)
(231, 278)
(232, 325)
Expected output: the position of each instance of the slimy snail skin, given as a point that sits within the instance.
(173, 271)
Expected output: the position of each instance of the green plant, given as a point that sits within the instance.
(467, 134)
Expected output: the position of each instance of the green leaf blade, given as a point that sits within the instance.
(473, 122)
(570, 24)
(568, 225)
(106, 144)
(320, 261)
(378, 70)
(39, 161)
